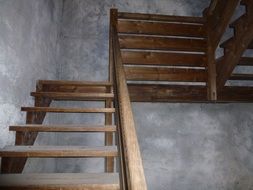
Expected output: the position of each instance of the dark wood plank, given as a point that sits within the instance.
(73, 96)
(68, 110)
(63, 128)
(159, 17)
(158, 58)
(246, 61)
(160, 43)
(237, 76)
(165, 74)
(236, 94)
(75, 83)
(186, 93)
(166, 93)
(63, 181)
(58, 151)
(166, 29)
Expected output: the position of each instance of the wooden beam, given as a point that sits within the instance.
(58, 151)
(165, 74)
(166, 93)
(159, 17)
(160, 43)
(166, 29)
(163, 59)
(235, 49)
(63, 181)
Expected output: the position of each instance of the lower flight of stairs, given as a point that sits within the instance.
(14, 157)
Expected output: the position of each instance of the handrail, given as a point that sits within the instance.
(132, 173)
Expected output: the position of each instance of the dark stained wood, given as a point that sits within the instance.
(132, 172)
(166, 93)
(63, 181)
(109, 162)
(74, 83)
(158, 58)
(218, 18)
(165, 74)
(235, 49)
(159, 17)
(236, 94)
(58, 151)
(68, 110)
(186, 93)
(160, 43)
(246, 61)
(166, 29)
(237, 76)
(63, 128)
(73, 96)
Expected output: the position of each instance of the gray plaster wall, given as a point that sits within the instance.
(28, 52)
(183, 146)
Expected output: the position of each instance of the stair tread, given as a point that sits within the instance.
(63, 128)
(68, 110)
(73, 95)
(58, 151)
(239, 76)
(246, 61)
(162, 18)
(105, 181)
(76, 83)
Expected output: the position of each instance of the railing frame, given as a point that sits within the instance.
(130, 163)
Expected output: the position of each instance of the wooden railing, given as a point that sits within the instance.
(131, 168)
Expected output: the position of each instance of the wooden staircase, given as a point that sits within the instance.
(152, 58)
(14, 157)
(235, 46)
(164, 56)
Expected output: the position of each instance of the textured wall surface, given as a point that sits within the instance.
(28, 51)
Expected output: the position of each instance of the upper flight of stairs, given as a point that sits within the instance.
(235, 46)
(14, 157)
(167, 51)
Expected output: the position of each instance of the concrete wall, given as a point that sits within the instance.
(28, 52)
(184, 146)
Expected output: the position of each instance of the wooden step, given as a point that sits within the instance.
(246, 61)
(68, 110)
(58, 151)
(75, 83)
(63, 181)
(237, 76)
(162, 43)
(73, 96)
(165, 74)
(165, 29)
(159, 17)
(63, 128)
(163, 59)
